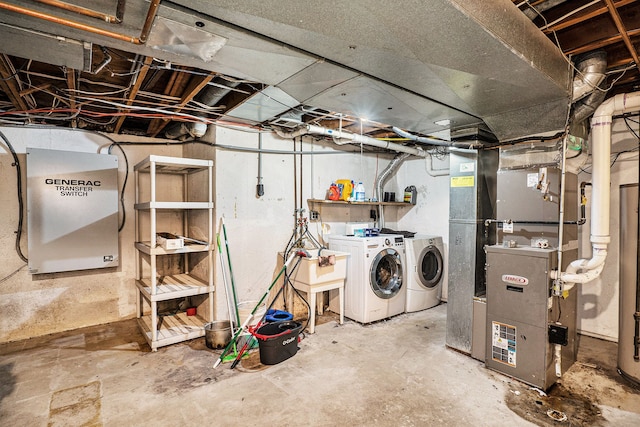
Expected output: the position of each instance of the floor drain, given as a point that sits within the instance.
(557, 415)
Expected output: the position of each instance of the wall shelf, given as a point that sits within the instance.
(159, 282)
(344, 202)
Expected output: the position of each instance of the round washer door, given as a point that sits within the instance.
(386, 273)
(430, 266)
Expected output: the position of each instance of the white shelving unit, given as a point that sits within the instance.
(189, 181)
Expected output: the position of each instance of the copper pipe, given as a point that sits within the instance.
(82, 11)
(151, 14)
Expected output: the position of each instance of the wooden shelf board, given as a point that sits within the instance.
(345, 202)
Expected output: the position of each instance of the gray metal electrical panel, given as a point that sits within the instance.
(72, 210)
(524, 322)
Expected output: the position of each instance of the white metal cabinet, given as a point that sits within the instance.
(183, 201)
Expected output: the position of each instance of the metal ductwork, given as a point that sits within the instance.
(183, 130)
(383, 177)
(589, 85)
(533, 12)
(357, 57)
(370, 60)
(217, 89)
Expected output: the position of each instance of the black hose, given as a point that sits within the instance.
(16, 163)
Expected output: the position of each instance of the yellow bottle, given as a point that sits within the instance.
(346, 187)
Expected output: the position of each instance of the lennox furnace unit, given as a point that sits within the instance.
(530, 333)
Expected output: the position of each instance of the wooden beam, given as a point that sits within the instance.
(176, 85)
(9, 83)
(195, 86)
(71, 85)
(585, 17)
(139, 77)
(622, 30)
(33, 89)
(601, 43)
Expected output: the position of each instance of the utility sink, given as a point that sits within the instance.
(311, 273)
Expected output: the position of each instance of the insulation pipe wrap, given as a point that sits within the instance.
(354, 138)
(601, 192)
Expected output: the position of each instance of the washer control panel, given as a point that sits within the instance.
(394, 242)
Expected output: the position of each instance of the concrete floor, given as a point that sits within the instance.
(392, 373)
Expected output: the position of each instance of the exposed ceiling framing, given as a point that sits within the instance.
(133, 67)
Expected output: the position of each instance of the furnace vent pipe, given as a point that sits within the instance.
(382, 178)
(354, 138)
(588, 90)
(601, 192)
(181, 130)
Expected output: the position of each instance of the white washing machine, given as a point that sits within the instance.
(425, 271)
(374, 287)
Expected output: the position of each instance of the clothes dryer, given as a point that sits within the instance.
(374, 287)
(425, 271)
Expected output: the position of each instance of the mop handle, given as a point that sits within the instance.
(246, 322)
(233, 282)
(232, 312)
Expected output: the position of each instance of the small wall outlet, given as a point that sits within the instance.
(315, 215)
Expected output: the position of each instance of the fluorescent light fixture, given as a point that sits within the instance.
(444, 122)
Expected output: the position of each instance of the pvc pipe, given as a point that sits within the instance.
(601, 193)
(561, 217)
(558, 357)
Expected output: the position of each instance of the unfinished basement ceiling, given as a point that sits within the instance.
(453, 67)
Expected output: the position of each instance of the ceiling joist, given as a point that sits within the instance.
(9, 83)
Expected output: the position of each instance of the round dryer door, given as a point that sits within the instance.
(386, 273)
(430, 266)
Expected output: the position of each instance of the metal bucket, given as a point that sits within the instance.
(217, 334)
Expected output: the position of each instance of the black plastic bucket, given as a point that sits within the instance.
(278, 341)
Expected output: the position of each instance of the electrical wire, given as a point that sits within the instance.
(124, 184)
(16, 163)
(573, 12)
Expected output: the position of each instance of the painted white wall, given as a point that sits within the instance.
(259, 228)
(598, 301)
